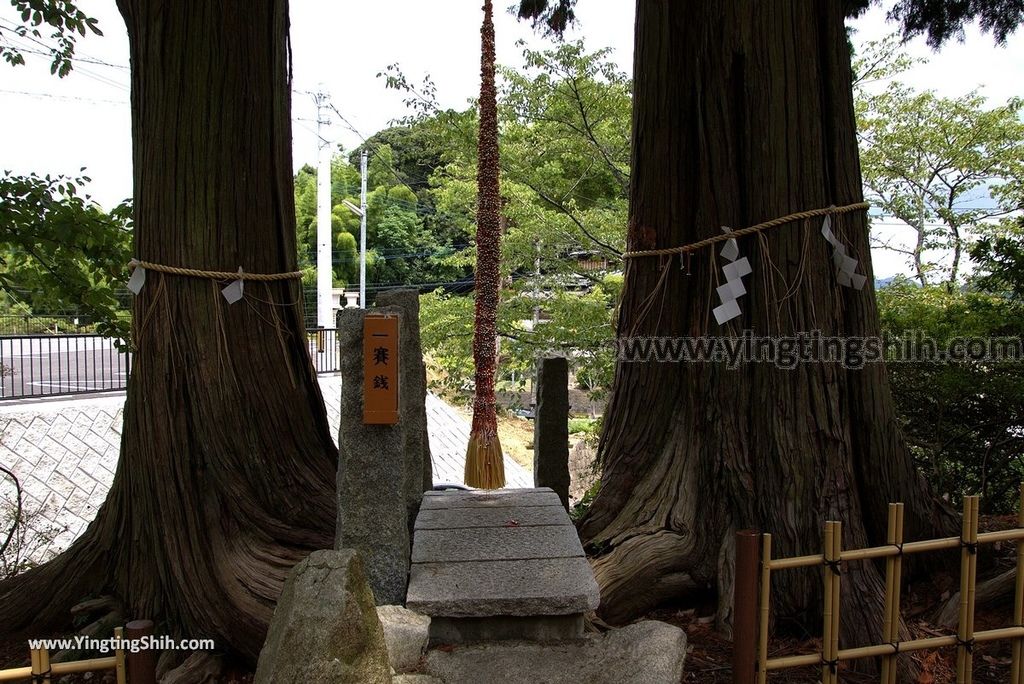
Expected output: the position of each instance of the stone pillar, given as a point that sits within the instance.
(412, 398)
(372, 513)
(551, 427)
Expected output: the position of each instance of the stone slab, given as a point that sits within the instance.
(550, 586)
(642, 653)
(503, 499)
(496, 543)
(502, 628)
(459, 518)
(483, 492)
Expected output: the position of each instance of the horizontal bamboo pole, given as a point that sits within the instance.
(91, 665)
(861, 652)
(1001, 536)
(14, 674)
(886, 551)
(74, 666)
(797, 562)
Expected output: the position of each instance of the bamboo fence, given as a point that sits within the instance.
(129, 668)
(751, 622)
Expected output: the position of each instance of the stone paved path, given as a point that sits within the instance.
(64, 452)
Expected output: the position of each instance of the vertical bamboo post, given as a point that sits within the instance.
(36, 659)
(965, 579)
(44, 665)
(837, 550)
(1017, 671)
(119, 664)
(744, 607)
(889, 661)
(897, 582)
(765, 598)
(826, 630)
(972, 588)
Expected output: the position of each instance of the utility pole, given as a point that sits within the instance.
(362, 232)
(324, 238)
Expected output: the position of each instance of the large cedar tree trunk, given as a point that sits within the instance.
(227, 465)
(742, 113)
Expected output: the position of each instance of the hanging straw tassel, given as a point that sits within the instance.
(485, 468)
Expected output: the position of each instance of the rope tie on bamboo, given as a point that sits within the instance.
(42, 677)
(972, 547)
(967, 644)
(781, 221)
(833, 665)
(895, 645)
(836, 566)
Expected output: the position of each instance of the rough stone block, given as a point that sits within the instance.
(551, 427)
(325, 627)
(405, 633)
(505, 627)
(646, 652)
(413, 396)
(372, 514)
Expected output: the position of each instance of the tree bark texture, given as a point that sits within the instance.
(226, 473)
(743, 112)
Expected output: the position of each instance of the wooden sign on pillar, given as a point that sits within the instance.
(380, 369)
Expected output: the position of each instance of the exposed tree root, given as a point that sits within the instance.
(991, 592)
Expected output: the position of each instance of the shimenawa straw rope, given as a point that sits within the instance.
(214, 275)
(789, 218)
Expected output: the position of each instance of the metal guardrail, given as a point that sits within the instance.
(755, 565)
(60, 365)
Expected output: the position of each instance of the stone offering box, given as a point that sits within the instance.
(496, 565)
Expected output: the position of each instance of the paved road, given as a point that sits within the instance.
(43, 365)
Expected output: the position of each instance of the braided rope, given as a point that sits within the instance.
(790, 218)
(214, 275)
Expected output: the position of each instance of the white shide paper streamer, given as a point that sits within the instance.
(733, 288)
(137, 280)
(846, 265)
(234, 291)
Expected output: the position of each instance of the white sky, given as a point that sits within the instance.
(52, 125)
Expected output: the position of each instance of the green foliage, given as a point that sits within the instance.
(565, 175)
(581, 507)
(964, 421)
(930, 161)
(1000, 261)
(60, 252)
(66, 20)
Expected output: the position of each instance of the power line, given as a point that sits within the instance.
(84, 60)
(64, 97)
